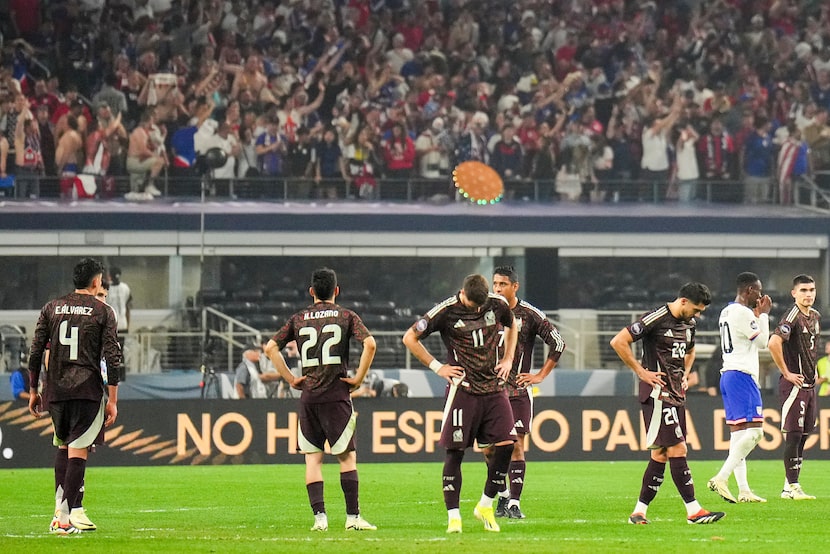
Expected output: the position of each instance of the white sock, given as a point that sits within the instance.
(741, 444)
(640, 508)
(58, 497)
(64, 513)
(454, 513)
(505, 493)
(486, 501)
(740, 476)
(513, 502)
(692, 507)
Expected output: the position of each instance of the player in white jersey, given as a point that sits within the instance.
(744, 329)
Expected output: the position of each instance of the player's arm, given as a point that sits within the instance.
(688, 363)
(621, 343)
(776, 350)
(36, 356)
(273, 351)
(511, 338)
(112, 355)
(413, 343)
(556, 343)
(366, 357)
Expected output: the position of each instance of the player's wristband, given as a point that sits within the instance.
(435, 365)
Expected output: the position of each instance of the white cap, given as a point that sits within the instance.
(438, 124)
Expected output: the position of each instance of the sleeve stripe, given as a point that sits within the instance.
(445, 304)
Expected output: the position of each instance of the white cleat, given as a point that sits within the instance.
(749, 496)
(321, 523)
(722, 488)
(357, 523)
(795, 492)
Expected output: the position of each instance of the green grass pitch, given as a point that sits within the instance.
(571, 507)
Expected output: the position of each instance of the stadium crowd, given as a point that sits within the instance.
(599, 99)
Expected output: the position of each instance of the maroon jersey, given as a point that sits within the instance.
(666, 341)
(471, 337)
(800, 333)
(323, 331)
(532, 323)
(80, 331)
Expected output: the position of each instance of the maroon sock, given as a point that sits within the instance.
(517, 478)
(652, 479)
(349, 484)
(315, 497)
(792, 459)
(452, 478)
(75, 469)
(497, 470)
(61, 460)
(682, 477)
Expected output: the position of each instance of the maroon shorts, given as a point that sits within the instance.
(329, 421)
(77, 423)
(522, 407)
(487, 418)
(665, 423)
(798, 407)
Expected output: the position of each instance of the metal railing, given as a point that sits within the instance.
(808, 193)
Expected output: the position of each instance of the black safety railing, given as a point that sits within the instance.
(811, 192)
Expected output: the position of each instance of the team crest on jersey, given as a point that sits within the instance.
(679, 432)
(688, 335)
(490, 318)
(421, 325)
(817, 328)
(458, 435)
(518, 323)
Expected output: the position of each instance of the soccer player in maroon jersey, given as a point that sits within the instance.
(477, 407)
(531, 323)
(794, 349)
(668, 337)
(81, 331)
(323, 331)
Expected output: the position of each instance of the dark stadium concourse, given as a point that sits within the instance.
(537, 237)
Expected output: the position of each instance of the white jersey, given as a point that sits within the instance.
(119, 296)
(742, 335)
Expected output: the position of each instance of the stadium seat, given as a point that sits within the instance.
(247, 295)
(206, 297)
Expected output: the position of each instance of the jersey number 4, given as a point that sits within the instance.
(334, 335)
(69, 337)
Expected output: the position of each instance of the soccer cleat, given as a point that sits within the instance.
(514, 512)
(703, 517)
(722, 488)
(795, 492)
(56, 519)
(454, 525)
(486, 516)
(321, 523)
(501, 507)
(357, 523)
(638, 519)
(79, 520)
(67, 529)
(749, 496)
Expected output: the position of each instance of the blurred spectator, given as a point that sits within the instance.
(250, 380)
(793, 164)
(19, 382)
(717, 151)
(687, 172)
(757, 162)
